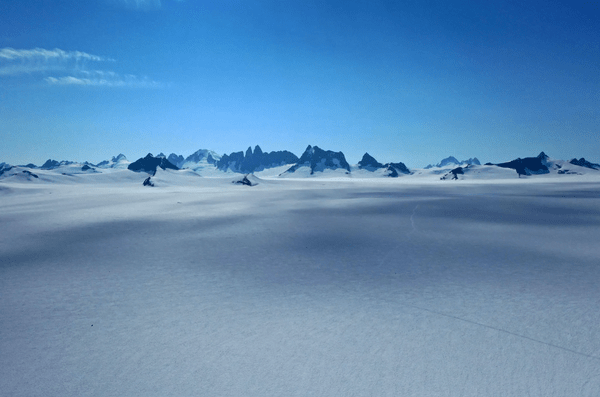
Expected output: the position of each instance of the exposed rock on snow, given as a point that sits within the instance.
(582, 162)
(29, 173)
(150, 163)
(369, 163)
(451, 160)
(50, 164)
(148, 182)
(176, 159)
(119, 161)
(453, 174)
(255, 161)
(317, 159)
(248, 180)
(528, 165)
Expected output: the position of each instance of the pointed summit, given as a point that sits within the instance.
(120, 157)
(257, 161)
(318, 159)
(369, 161)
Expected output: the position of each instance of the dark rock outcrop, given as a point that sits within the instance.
(397, 168)
(5, 168)
(176, 159)
(150, 163)
(451, 160)
(370, 164)
(247, 180)
(319, 160)
(453, 174)
(148, 182)
(528, 165)
(255, 161)
(30, 174)
(50, 164)
(582, 162)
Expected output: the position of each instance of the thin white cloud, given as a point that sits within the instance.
(15, 62)
(141, 4)
(12, 54)
(114, 81)
(68, 68)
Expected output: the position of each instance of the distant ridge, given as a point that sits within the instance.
(319, 160)
(369, 163)
(451, 160)
(255, 161)
(584, 163)
(150, 163)
(528, 165)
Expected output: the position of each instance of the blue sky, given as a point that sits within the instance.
(410, 81)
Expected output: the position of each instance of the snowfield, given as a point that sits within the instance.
(294, 287)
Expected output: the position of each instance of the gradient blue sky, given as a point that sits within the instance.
(411, 81)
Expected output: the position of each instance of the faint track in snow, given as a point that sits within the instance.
(500, 330)
(412, 221)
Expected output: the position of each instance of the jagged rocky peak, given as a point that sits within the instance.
(176, 159)
(369, 161)
(447, 161)
(528, 165)
(319, 160)
(255, 161)
(150, 163)
(120, 157)
(582, 162)
(451, 160)
(50, 164)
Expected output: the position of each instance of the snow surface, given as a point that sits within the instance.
(329, 287)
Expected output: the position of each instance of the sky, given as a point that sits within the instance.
(410, 81)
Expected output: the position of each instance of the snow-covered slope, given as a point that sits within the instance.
(117, 162)
(381, 287)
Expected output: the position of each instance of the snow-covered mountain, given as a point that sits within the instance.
(541, 165)
(452, 161)
(315, 159)
(368, 163)
(150, 163)
(255, 161)
(53, 164)
(199, 160)
(117, 162)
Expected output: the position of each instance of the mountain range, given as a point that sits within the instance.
(313, 162)
(451, 160)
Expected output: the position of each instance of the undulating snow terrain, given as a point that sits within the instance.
(409, 286)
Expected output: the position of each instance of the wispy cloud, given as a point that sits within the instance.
(67, 68)
(43, 54)
(112, 81)
(14, 62)
(141, 4)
